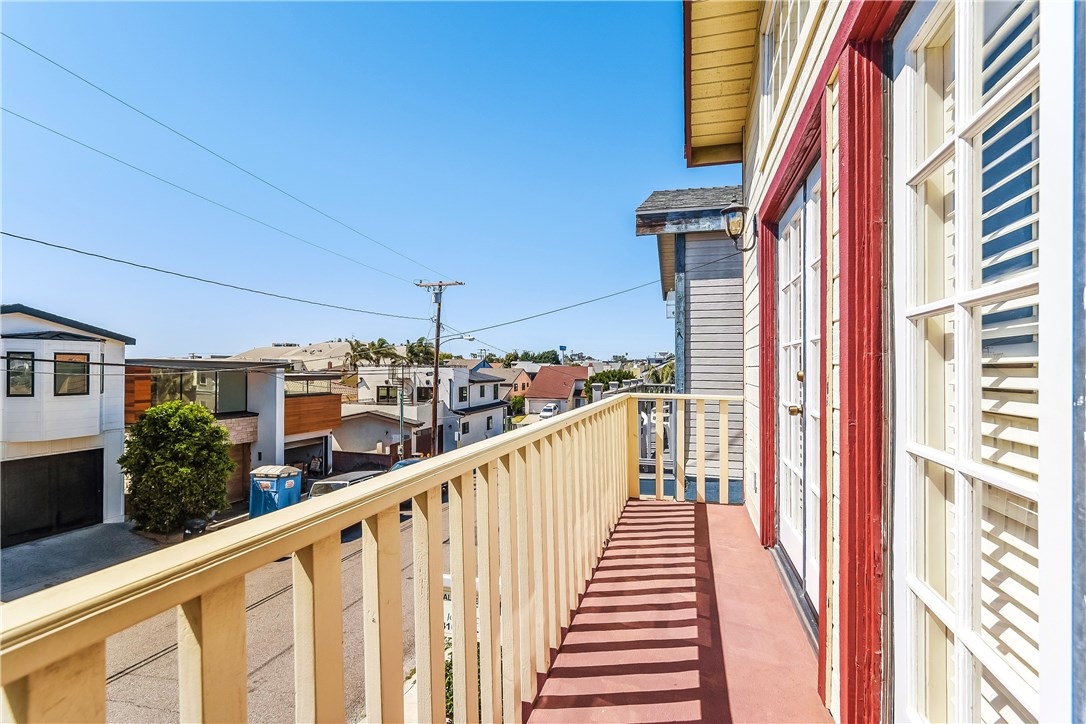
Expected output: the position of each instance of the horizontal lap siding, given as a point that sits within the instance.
(714, 341)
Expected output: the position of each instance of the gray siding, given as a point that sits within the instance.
(713, 337)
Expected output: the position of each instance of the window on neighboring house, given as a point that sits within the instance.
(482, 391)
(496, 392)
(386, 395)
(516, 387)
(71, 374)
(424, 394)
(489, 423)
(102, 373)
(463, 394)
(20, 374)
(465, 427)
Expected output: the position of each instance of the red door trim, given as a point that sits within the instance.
(856, 52)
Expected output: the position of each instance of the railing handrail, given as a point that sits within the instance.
(48, 625)
(674, 396)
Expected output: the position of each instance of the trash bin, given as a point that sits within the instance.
(273, 487)
(194, 527)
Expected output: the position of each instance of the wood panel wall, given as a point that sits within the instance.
(311, 413)
(137, 393)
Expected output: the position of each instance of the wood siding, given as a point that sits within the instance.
(713, 337)
(137, 393)
(310, 413)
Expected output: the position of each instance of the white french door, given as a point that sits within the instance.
(799, 269)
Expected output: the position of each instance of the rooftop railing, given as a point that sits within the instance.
(530, 512)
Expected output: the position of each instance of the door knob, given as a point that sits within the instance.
(799, 375)
(794, 409)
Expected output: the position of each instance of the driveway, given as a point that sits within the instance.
(30, 567)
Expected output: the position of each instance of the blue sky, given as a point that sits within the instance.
(505, 145)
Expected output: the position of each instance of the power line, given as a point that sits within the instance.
(226, 285)
(595, 299)
(202, 197)
(219, 156)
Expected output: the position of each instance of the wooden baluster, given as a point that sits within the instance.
(724, 452)
(70, 690)
(541, 654)
(633, 453)
(509, 562)
(318, 632)
(549, 538)
(582, 509)
(383, 616)
(526, 551)
(680, 450)
(576, 507)
(426, 540)
(462, 559)
(700, 414)
(211, 657)
(562, 541)
(486, 488)
(658, 408)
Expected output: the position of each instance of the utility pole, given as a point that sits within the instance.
(436, 288)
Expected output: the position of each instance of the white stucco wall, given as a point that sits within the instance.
(266, 399)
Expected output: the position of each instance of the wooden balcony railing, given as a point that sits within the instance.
(529, 514)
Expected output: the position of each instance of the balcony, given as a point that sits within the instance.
(573, 598)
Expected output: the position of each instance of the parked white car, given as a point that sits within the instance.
(549, 410)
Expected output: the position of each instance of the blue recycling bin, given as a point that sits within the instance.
(273, 487)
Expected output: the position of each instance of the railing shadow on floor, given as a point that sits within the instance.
(645, 643)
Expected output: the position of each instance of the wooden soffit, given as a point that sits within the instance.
(720, 48)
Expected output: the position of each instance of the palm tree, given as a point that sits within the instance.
(420, 352)
(359, 354)
(384, 352)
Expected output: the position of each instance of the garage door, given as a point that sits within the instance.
(47, 495)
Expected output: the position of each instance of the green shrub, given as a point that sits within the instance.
(178, 460)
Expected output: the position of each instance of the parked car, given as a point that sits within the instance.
(549, 410)
(338, 482)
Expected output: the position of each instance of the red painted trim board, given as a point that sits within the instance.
(826, 412)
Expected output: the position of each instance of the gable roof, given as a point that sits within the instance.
(478, 376)
(555, 382)
(64, 321)
(468, 363)
(506, 374)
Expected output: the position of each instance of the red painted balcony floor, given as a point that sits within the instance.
(685, 619)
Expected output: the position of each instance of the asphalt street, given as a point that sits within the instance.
(141, 662)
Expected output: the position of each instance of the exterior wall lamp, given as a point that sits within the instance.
(735, 218)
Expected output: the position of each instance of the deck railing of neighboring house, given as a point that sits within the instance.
(529, 514)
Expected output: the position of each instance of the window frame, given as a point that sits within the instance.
(489, 422)
(25, 356)
(85, 375)
(973, 656)
(465, 427)
(462, 395)
(383, 396)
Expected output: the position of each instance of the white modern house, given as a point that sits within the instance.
(470, 404)
(62, 424)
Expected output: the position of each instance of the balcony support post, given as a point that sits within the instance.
(658, 409)
(211, 657)
(679, 447)
(700, 424)
(724, 452)
(318, 632)
(426, 534)
(383, 616)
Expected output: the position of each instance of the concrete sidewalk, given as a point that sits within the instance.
(30, 567)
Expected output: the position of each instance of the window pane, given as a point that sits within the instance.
(71, 374)
(1009, 583)
(937, 90)
(936, 680)
(165, 386)
(1008, 437)
(188, 385)
(20, 374)
(1010, 194)
(232, 391)
(938, 406)
(935, 259)
(205, 390)
(1011, 40)
(937, 535)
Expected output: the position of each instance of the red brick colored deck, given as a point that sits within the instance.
(685, 619)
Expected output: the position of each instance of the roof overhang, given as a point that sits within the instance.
(719, 52)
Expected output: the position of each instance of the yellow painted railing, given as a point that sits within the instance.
(529, 514)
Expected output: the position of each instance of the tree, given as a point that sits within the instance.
(178, 460)
(377, 352)
(606, 377)
(419, 352)
(516, 405)
(663, 375)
